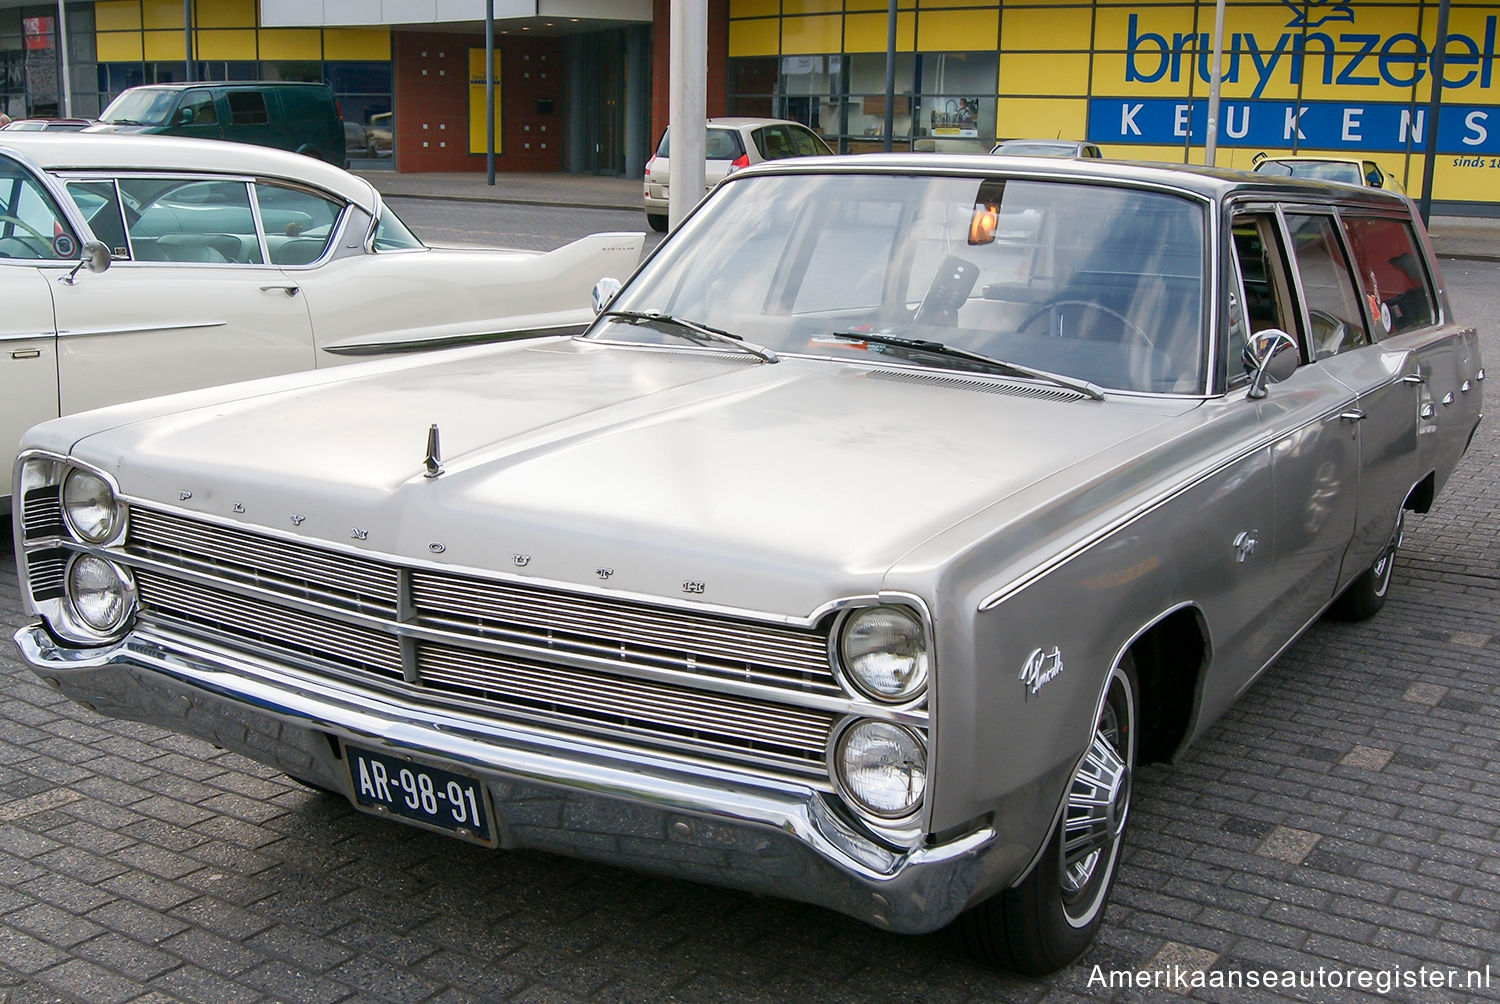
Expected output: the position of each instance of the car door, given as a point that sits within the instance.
(34, 232)
(190, 301)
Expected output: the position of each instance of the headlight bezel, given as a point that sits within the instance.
(120, 513)
(844, 664)
(837, 742)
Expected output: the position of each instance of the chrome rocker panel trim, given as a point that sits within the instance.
(549, 792)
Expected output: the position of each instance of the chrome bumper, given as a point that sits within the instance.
(550, 793)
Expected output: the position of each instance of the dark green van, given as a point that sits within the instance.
(300, 117)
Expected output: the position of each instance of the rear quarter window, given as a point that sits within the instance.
(1392, 274)
(247, 108)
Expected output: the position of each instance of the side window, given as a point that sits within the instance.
(806, 143)
(774, 143)
(1334, 317)
(100, 205)
(247, 108)
(1391, 272)
(197, 108)
(391, 234)
(721, 144)
(190, 221)
(30, 224)
(298, 224)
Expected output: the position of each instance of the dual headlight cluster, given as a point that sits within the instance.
(98, 594)
(881, 766)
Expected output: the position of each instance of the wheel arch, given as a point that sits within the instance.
(1171, 657)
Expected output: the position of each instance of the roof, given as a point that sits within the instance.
(258, 84)
(65, 151)
(1205, 182)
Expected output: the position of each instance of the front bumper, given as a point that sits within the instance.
(549, 792)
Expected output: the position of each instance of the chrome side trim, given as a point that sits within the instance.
(136, 328)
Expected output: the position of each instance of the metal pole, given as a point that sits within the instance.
(1434, 105)
(187, 38)
(1215, 78)
(62, 52)
(890, 75)
(489, 92)
(687, 107)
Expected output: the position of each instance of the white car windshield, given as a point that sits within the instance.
(140, 106)
(1095, 282)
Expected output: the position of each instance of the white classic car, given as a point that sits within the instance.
(856, 559)
(227, 261)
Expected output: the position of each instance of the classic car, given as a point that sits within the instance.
(858, 560)
(228, 261)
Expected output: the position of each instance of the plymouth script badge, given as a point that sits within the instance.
(1041, 669)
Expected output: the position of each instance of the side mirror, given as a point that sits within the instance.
(604, 291)
(1273, 356)
(95, 257)
(185, 116)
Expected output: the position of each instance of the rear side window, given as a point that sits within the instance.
(298, 224)
(247, 108)
(189, 221)
(718, 144)
(1335, 320)
(1391, 273)
(391, 234)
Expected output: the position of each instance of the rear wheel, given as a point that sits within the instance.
(1366, 594)
(1047, 920)
(658, 223)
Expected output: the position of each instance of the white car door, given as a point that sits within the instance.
(190, 301)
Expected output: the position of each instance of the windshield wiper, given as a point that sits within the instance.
(682, 325)
(1083, 387)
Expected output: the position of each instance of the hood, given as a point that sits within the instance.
(653, 471)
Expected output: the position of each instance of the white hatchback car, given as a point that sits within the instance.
(731, 143)
(227, 261)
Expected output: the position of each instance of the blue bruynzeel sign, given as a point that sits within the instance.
(1384, 75)
(1316, 125)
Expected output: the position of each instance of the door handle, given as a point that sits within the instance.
(26, 354)
(1416, 377)
(1353, 415)
(288, 290)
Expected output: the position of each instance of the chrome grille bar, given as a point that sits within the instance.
(42, 513)
(361, 582)
(624, 631)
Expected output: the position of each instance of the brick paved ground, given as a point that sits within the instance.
(1343, 814)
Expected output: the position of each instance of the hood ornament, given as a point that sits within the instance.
(434, 459)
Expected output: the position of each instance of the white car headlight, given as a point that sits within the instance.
(882, 767)
(100, 593)
(90, 507)
(884, 652)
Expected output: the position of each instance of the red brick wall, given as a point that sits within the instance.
(432, 103)
(661, 62)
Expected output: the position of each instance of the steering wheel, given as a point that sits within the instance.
(1055, 306)
(33, 231)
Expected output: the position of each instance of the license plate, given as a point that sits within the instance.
(433, 797)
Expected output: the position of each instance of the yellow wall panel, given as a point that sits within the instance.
(811, 6)
(866, 32)
(223, 14)
(754, 8)
(880, 5)
(755, 38)
(163, 46)
(478, 134)
(120, 46)
(818, 33)
(1110, 76)
(1265, 23)
(290, 43)
(162, 14)
(235, 43)
(947, 31)
(1112, 29)
(1046, 29)
(117, 15)
(357, 43)
(1020, 118)
(931, 4)
(1044, 73)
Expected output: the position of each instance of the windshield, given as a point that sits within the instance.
(1033, 149)
(1320, 170)
(140, 106)
(1100, 283)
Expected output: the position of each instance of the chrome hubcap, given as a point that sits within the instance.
(1097, 802)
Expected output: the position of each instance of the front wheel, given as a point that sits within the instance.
(1366, 594)
(1051, 916)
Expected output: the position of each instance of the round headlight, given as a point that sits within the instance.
(884, 651)
(89, 505)
(99, 593)
(882, 767)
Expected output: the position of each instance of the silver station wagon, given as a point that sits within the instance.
(876, 530)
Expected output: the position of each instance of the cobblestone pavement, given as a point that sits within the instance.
(1343, 815)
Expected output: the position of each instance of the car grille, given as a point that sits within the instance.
(695, 685)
